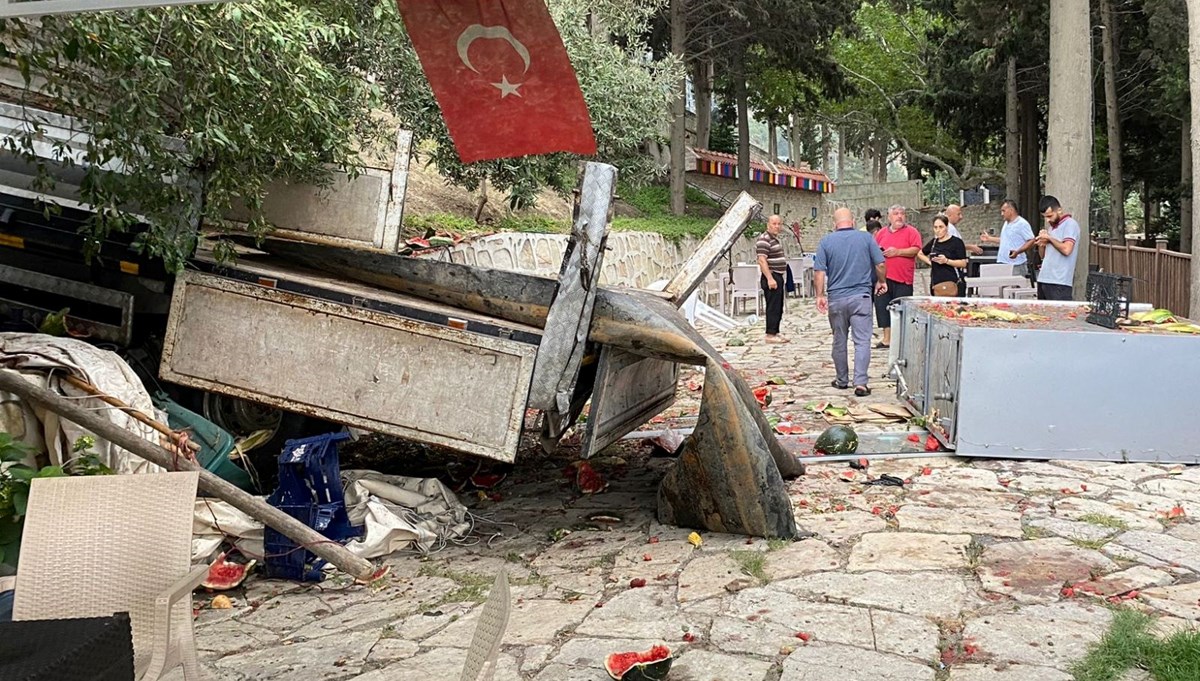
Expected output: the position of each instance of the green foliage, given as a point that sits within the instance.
(627, 97)
(16, 477)
(216, 99)
(534, 223)
(656, 199)
(672, 228)
(443, 222)
(1128, 644)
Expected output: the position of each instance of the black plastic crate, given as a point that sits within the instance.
(1108, 295)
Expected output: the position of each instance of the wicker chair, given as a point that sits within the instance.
(485, 644)
(93, 546)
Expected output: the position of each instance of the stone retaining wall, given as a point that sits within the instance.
(634, 259)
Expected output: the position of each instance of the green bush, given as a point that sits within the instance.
(672, 228)
(535, 224)
(655, 199)
(439, 222)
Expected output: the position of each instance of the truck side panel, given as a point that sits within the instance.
(375, 371)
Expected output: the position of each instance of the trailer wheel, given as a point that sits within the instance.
(243, 417)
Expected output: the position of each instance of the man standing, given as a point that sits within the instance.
(1057, 248)
(900, 242)
(772, 262)
(1013, 235)
(954, 215)
(847, 267)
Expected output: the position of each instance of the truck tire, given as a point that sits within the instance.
(243, 417)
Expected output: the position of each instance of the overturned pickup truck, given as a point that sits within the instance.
(341, 327)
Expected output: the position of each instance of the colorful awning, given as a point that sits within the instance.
(777, 174)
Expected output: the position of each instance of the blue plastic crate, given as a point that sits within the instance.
(310, 490)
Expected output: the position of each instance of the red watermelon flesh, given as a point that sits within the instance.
(651, 665)
(223, 574)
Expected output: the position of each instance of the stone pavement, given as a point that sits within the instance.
(973, 571)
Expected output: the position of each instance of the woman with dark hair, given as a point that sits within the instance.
(947, 256)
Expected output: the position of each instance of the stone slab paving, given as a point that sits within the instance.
(985, 570)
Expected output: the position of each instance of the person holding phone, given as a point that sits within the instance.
(947, 257)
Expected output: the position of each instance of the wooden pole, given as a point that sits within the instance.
(109, 399)
(293, 529)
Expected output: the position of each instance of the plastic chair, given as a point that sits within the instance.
(745, 284)
(93, 546)
(489, 631)
(714, 285)
(993, 270)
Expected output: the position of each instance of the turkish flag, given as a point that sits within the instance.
(501, 75)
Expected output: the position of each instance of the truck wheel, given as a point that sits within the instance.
(243, 417)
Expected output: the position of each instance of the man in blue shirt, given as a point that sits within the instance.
(848, 266)
(1057, 245)
(1013, 235)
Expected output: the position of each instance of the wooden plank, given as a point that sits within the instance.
(630, 390)
(570, 317)
(720, 239)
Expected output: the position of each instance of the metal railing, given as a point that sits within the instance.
(1160, 277)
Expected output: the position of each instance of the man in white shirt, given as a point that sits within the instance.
(1013, 235)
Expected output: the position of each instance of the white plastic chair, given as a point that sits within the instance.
(745, 284)
(97, 545)
(714, 286)
(993, 270)
(489, 631)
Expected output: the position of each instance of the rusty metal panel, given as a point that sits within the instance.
(358, 367)
(570, 317)
(715, 243)
(630, 390)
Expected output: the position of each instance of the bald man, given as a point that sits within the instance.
(848, 265)
(954, 214)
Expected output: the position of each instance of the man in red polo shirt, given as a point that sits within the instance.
(900, 242)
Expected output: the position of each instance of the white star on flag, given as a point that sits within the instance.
(506, 88)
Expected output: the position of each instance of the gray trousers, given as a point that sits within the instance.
(848, 315)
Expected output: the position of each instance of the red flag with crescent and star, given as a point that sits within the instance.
(501, 75)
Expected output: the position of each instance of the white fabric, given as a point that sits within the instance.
(1013, 235)
(42, 359)
(399, 513)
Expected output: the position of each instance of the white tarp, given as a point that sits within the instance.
(400, 513)
(42, 360)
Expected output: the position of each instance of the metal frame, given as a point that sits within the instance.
(37, 8)
(122, 302)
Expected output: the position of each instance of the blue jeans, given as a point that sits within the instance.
(851, 316)
(6, 603)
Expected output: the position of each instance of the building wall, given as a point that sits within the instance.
(976, 219)
(793, 205)
(859, 197)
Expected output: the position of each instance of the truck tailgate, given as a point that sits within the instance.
(352, 354)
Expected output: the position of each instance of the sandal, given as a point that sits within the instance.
(881, 346)
(840, 386)
(862, 391)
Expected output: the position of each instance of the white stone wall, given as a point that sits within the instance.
(634, 259)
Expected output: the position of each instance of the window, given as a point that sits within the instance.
(814, 212)
(776, 210)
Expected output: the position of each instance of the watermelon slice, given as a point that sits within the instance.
(224, 575)
(588, 480)
(652, 665)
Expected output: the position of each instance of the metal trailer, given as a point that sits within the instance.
(1059, 389)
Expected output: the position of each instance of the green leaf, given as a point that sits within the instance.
(51, 472)
(22, 472)
(20, 499)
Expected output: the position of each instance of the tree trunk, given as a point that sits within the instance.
(1112, 109)
(1031, 157)
(841, 152)
(1185, 172)
(1147, 210)
(1012, 135)
(881, 161)
(1069, 154)
(678, 114)
(772, 142)
(794, 140)
(702, 85)
(743, 120)
(1194, 81)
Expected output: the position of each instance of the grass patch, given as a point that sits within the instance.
(1128, 644)
(655, 199)
(672, 228)
(1031, 532)
(974, 552)
(1104, 521)
(535, 224)
(752, 563)
(472, 588)
(775, 543)
(1094, 544)
(419, 224)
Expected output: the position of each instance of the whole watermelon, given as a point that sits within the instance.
(837, 440)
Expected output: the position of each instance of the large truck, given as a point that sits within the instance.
(263, 344)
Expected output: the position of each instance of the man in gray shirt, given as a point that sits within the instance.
(848, 265)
